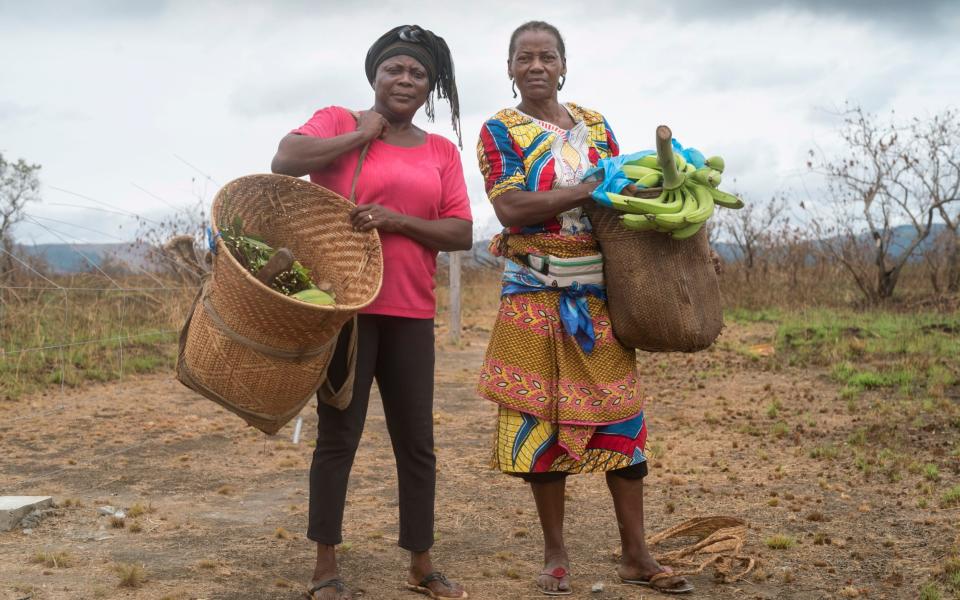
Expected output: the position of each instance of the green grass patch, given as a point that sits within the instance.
(85, 334)
(780, 542)
(951, 497)
(780, 429)
(773, 409)
(930, 591)
(827, 452)
(745, 315)
(931, 472)
(906, 353)
(858, 437)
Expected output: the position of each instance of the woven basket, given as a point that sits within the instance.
(255, 351)
(662, 293)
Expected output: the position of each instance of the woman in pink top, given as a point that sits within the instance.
(411, 189)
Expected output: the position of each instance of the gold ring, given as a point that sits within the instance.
(369, 217)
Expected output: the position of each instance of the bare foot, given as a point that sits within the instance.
(336, 590)
(555, 576)
(421, 568)
(438, 584)
(644, 571)
(325, 571)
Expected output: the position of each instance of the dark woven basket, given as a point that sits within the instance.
(257, 352)
(663, 294)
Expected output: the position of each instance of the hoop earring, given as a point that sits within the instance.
(563, 80)
(513, 86)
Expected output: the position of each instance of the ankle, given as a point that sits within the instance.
(326, 562)
(637, 556)
(421, 564)
(555, 553)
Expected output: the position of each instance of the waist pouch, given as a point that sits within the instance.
(554, 271)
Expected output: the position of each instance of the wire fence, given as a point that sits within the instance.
(49, 320)
(103, 282)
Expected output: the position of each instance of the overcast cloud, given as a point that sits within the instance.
(112, 95)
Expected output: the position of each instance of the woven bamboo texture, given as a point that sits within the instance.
(257, 352)
(662, 293)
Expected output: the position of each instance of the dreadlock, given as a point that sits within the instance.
(432, 51)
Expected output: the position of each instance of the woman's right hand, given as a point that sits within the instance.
(371, 125)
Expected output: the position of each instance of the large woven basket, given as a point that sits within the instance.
(255, 351)
(662, 293)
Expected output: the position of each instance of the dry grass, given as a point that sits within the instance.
(780, 542)
(130, 575)
(55, 560)
(35, 321)
(138, 510)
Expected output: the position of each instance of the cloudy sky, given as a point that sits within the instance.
(143, 107)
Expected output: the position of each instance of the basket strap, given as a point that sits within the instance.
(356, 173)
(257, 346)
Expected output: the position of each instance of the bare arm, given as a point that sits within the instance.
(446, 235)
(299, 155)
(518, 209)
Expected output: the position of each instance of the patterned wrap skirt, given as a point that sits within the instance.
(560, 409)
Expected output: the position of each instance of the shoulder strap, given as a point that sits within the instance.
(356, 173)
(363, 155)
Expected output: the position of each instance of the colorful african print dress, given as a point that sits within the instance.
(567, 390)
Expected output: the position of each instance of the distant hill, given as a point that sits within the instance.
(902, 236)
(76, 258)
(79, 258)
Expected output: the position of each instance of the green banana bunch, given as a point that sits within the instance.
(726, 200)
(715, 163)
(681, 210)
(649, 161)
(706, 176)
(660, 205)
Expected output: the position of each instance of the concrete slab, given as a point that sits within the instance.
(15, 508)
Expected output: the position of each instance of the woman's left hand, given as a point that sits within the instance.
(374, 216)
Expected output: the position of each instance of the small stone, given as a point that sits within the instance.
(107, 511)
(120, 514)
(597, 588)
(27, 531)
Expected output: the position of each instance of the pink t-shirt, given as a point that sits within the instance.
(425, 181)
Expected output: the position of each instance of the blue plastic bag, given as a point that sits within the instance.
(610, 170)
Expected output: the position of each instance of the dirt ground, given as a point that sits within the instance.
(224, 507)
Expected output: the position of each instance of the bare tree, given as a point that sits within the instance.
(176, 244)
(19, 185)
(935, 169)
(752, 230)
(873, 190)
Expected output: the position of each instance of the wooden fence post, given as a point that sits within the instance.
(455, 258)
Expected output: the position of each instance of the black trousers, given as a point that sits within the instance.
(399, 353)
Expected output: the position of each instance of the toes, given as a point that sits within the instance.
(547, 583)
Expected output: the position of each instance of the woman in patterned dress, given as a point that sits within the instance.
(567, 391)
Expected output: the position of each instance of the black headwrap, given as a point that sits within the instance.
(432, 52)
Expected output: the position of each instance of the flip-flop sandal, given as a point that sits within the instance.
(654, 582)
(334, 582)
(557, 573)
(423, 586)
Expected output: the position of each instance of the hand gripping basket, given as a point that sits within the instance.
(255, 351)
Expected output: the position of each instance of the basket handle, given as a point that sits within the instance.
(356, 173)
